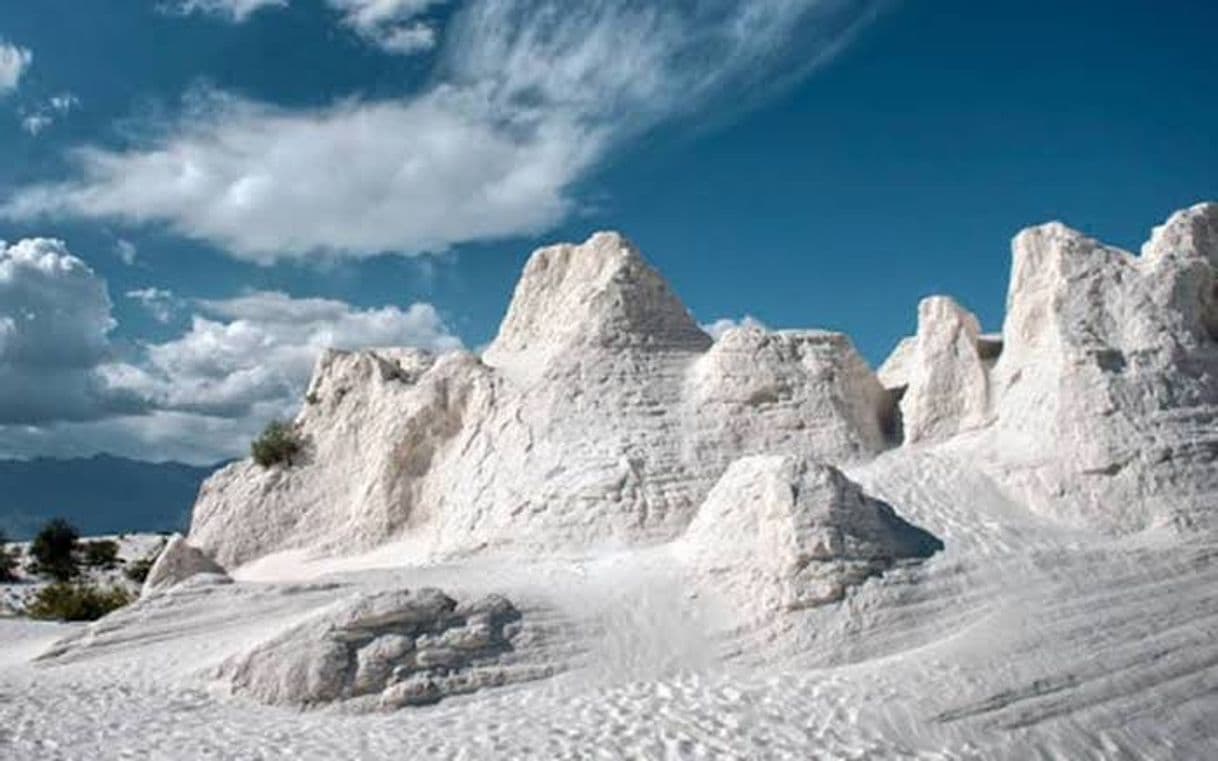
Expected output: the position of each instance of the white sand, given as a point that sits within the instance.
(1021, 640)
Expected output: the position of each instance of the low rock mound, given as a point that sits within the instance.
(782, 533)
(387, 650)
(178, 562)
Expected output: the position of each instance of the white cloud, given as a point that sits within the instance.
(242, 361)
(260, 349)
(14, 61)
(233, 10)
(722, 325)
(530, 95)
(159, 303)
(355, 179)
(54, 336)
(396, 26)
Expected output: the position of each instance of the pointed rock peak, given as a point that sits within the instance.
(600, 293)
(938, 312)
(780, 533)
(1191, 232)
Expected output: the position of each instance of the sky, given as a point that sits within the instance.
(198, 196)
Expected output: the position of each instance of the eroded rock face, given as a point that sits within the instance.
(782, 533)
(945, 375)
(788, 391)
(598, 296)
(1106, 392)
(178, 562)
(386, 650)
(601, 413)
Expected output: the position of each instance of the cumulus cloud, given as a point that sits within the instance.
(14, 61)
(260, 349)
(722, 325)
(233, 10)
(529, 96)
(242, 361)
(54, 337)
(395, 26)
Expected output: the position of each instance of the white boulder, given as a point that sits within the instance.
(178, 562)
(388, 650)
(782, 533)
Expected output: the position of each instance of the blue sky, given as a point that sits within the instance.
(236, 183)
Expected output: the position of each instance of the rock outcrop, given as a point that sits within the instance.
(601, 413)
(1107, 387)
(178, 562)
(386, 650)
(782, 533)
(945, 378)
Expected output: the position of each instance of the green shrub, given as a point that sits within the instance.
(279, 443)
(8, 560)
(101, 553)
(138, 570)
(54, 550)
(63, 601)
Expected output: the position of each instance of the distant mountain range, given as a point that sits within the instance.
(99, 495)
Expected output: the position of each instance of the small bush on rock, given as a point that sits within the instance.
(54, 550)
(279, 443)
(101, 553)
(63, 601)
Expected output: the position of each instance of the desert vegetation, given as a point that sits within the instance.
(277, 445)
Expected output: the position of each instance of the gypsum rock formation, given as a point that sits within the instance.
(386, 650)
(601, 413)
(177, 562)
(1100, 409)
(782, 533)
(941, 373)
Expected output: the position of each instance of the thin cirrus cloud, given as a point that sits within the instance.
(233, 10)
(243, 360)
(530, 96)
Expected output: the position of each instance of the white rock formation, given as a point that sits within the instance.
(781, 533)
(390, 649)
(601, 413)
(178, 562)
(945, 375)
(1106, 391)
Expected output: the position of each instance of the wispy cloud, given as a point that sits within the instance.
(43, 115)
(395, 26)
(233, 10)
(531, 95)
(158, 302)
